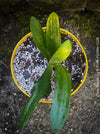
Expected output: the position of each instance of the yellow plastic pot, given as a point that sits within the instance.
(65, 32)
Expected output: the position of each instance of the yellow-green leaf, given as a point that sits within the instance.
(53, 36)
(62, 53)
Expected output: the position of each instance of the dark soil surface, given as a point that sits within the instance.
(84, 114)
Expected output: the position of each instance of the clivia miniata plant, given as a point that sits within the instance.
(49, 44)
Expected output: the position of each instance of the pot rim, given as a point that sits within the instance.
(63, 31)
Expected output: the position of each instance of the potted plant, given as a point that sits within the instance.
(60, 74)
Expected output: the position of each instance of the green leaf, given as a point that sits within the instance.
(53, 36)
(38, 35)
(62, 53)
(61, 100)
(39, 90)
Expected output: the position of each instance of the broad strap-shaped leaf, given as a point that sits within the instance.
(53, 36)
(61, 100)
(39, 90)
(38, 35)
(62, 53)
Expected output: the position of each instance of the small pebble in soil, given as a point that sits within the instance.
(71, 129)
(6, 129)
(26, 74)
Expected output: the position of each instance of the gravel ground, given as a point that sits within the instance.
(83, 116)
